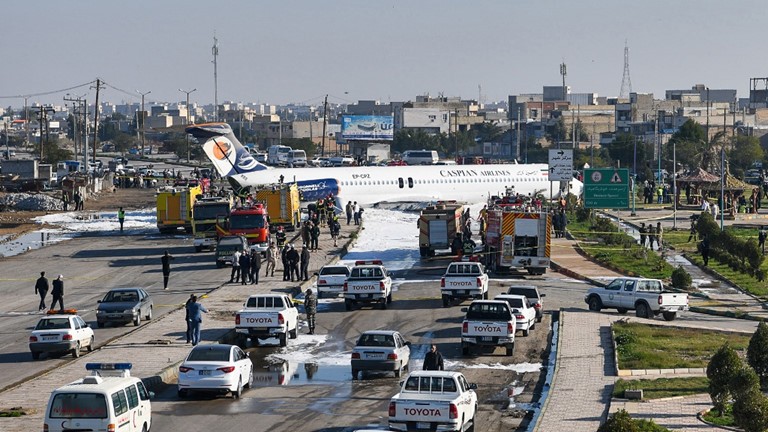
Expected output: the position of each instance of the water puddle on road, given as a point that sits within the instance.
(293, 373)
(29, 241)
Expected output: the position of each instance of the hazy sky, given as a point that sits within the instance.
(297, 51)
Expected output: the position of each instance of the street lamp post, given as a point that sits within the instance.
(187, 135)
(142, 119)
(634, 179)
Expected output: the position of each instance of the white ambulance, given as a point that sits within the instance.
(108, 400)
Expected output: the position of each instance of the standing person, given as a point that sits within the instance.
(433, 360)
(280, 237)
(286, 263)
(310, 307)
(335, 229)
(304, 259)
(315, 236)
(195, 311)
(306, 228)
(348, 209)
(235, 275)
(58, 292)
(41, 288)
(693, 235)
(659, 234)
(642, 234)
(65, 199)
(245, 267)
(705, 250)
(271, 259)
(76, 199)
(166, 261)
(293, 263)
(255, 267)
(651, 236)
(761, 235)
(186, 317)
(356, 213)
(121, 217)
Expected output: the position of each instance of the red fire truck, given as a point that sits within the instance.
(516, 239)
(251, 222)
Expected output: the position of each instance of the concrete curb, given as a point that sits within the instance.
(701, 415)
(660, 372)
(714, 273)
(545, 404)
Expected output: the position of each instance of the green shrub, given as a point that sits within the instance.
(620, 421)
(757, 353)
(751, 411)
(743, 382)
(721, 369)
(681, 279)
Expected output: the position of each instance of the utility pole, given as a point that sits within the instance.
(517, 135)
(43, 113)
(592, 147)
(215, 52)
(456, 131)
(96, 119)
(325, 121)
(143, 119)
(188, 92)
(26, 118)
(85, 133)
(564, 72)
(76, 101)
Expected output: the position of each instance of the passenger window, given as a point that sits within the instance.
(119, 403)
(410, 182)
(412, 384)
(449, 385)
(424, 384)
(400, 182)
(437, 385)
(133, 396)
(463, 384)
(615, 285)
(143, 393)
(76, 324)
(629, 286)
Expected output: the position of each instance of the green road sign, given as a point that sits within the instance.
(606, 188)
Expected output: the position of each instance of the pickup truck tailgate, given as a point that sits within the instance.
(485, 328)
(421, 414)
(672, 299)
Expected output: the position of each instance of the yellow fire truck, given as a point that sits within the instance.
(518, 240)
(282, 202)
(438, 225)
(174, 207)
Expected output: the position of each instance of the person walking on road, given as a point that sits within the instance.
(255, 267)
(659, 234)
(433, 360)
(310, 307)
(271, 259)
(304, 273)
(356, 213)
(166, 261)
(245, 267)
(186, 317)
(57, 293)
(195, 311)
(234, 276)
(121, 217)
(41, 288)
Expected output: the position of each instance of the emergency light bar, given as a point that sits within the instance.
(368, 262)
(108, 366)
(62, 312)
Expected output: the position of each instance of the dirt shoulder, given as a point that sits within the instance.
(15, 223)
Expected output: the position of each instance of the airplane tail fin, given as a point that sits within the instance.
(224, 150)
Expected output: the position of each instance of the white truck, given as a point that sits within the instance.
(267, 316)
(488, 323)
(464, 280)
(646, 296)
(330, 280)
(368, 283)
(434, 401)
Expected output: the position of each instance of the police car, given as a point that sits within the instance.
(109, 399)
(61, 331)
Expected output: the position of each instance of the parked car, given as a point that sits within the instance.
(215, 368)
(124, 305)
(61, 332)
(534, 297)
(226, 247)
(525, 315)
(380, 350)
(331, 278)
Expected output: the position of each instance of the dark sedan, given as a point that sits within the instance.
(124, 305)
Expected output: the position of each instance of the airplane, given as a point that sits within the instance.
(371, 185)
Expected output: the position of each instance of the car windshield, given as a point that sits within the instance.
(121, 296)
(325, 271)
(246, 221)
(488, 311)
(209, 211)
(367, 272)
(78, 405)
(514, 302)
(376, 340)
(209, 354)
(52, 324)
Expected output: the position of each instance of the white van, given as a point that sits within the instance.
(297, 158)
(109, 399)
(420, 157)
(278, 155)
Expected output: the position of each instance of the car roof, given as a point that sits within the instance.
(336, 265)
(523, 286)
(58, 316)
(510, 296)
(213, 347)
(434, 373)
(380, 332)
(107, 386)
(124, 289)
(488, 301)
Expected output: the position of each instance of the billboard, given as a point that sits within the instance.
(372, 128)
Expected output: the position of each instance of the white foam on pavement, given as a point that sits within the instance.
(395, 229)
(518, 367)
(136, 221)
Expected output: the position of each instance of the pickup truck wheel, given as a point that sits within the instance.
(446, 301)
(622, 310)
(464, 349)
(642, 311)
(471, 427)
(348, 305)
(283, 340)
(510, 349)
(527, 331)
(669, 316)
(389, 298)
(399, 371)
(354, 374)
(485, 296)
(595, 304)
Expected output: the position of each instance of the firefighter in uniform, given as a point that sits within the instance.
(280, 237)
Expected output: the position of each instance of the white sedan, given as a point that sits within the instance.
(381, 350)
(60, 332)
(525, 315)
(215, 368)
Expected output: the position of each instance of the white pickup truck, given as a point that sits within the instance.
(368, 283)
(646, 296)
(464, 280)
(267, 316)
(488, 323)
(434, 401)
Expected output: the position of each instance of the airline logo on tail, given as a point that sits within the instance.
(224, 150)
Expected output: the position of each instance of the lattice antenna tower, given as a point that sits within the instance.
(626, 81)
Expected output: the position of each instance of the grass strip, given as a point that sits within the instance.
(663, 387)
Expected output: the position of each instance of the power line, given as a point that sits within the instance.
(120, 90)
(48, 92)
